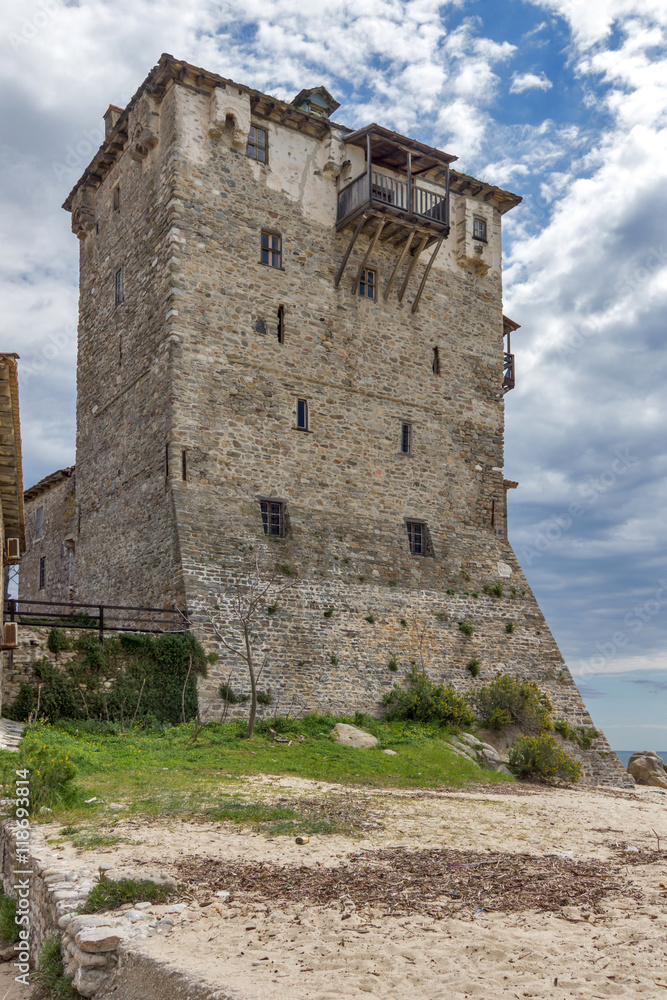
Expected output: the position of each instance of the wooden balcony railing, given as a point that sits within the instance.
(509, 373)
(399, 198)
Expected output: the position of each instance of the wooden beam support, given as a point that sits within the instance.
(415, 304)
(371, 247)
(346, 256)
(413, 264)
(399, 261)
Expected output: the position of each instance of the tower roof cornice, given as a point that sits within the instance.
(170, 70)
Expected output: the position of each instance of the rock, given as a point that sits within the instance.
(90, 960)
(98, 939)
(8, 954)
(648, 769)
(392, 753)
(471, 740)
(350, 736)
(84, 920)
(89, 981)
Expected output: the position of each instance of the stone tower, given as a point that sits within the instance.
(292, 339)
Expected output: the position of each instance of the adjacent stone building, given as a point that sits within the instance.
(47, 566)
(292, 347)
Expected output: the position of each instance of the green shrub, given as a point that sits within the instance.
(146, 674)
(509, 626)
(466, 627)
(450, 590)
(49, 980)
(496, 589)
(328, 613)
(424, 701)
(393, 665)
(57, 641)
(232, 697)
(264, 698)
(473, 667)
(370, 619)
(508, 700)
(542, 757)
(9, 931)
(497, 719)
(51, 774)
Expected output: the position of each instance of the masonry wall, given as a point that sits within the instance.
(56, 545)
(127, 551)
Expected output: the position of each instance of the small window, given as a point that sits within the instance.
(273, 517)
(119, 295)
(184, 465)
(302, 414)
(281, 324)
(436, 361)
(417, 537)
(42, 573)
(406, 438)
(39, 522)
(368, 283)
(272, 249)
(257, 144)
(116, 198)
(479, 229)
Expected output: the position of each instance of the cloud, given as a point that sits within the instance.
(529, 81)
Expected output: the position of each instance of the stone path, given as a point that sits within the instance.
(10, 736)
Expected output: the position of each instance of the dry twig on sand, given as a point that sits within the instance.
(432, 881)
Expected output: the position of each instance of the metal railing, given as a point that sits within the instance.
(99, 617)
(409, 199)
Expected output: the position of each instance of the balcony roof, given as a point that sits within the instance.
(389, 149)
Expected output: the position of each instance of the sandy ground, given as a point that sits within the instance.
(289, 949)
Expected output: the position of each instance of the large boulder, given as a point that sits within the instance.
(350, 736)
(648, 769)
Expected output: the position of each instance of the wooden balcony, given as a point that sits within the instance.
(387, 204)
(402, 202)
(509, 368)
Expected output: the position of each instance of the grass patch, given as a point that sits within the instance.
(49, 980)
(90, 841)
(161, 773)
(9, 931)
(109, 894)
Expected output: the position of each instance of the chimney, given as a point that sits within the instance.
(111, 116)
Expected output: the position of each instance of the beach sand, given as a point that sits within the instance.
(548, 942)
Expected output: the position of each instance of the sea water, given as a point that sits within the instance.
(624, 755)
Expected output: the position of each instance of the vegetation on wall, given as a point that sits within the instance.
(581, 735)
(134, 676)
